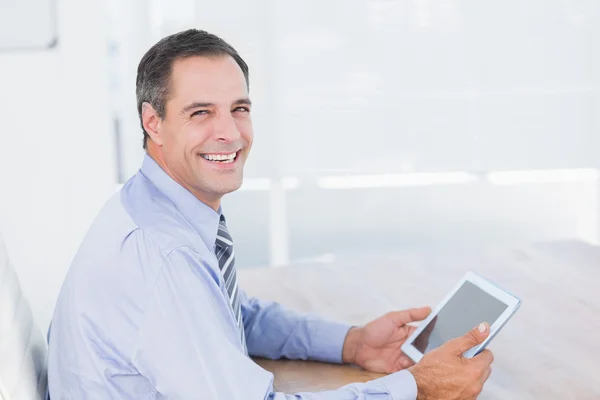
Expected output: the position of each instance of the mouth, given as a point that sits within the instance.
(221, 158)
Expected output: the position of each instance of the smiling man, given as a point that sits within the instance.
(151, 307)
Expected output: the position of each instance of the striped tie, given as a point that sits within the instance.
(226, 258)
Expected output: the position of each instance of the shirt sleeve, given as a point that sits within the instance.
(272, 331)
(187, 346)
(398, 386)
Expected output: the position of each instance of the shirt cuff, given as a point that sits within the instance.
(401, 385)
(327, 341)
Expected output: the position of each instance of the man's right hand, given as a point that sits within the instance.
(444, 374)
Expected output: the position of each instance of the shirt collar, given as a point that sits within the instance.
(201, 217)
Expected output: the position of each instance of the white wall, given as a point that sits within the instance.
(56, 157)
(461, 216)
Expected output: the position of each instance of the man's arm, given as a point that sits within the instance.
(186, 348)
(272, 331)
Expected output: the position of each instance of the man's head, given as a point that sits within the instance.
(192, 97)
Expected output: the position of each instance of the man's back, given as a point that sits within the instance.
(103, 300)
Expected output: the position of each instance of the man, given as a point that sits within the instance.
(151, 308)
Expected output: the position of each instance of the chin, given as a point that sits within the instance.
(230, 187)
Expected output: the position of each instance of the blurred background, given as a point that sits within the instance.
(381, 125)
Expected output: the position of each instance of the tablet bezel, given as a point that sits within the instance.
(493, 290)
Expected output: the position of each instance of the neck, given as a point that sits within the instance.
(155, 152)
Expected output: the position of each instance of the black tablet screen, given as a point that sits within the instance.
(466, 309)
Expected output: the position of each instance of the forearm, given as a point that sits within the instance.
(275, 332)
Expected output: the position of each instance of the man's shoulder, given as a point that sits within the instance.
(156, 217)
(132, 236)
(137, 228)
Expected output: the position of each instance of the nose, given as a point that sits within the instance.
(226, 129)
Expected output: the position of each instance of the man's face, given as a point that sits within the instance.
(206, 134)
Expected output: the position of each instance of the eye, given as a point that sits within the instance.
(241, 109)
(199, 112)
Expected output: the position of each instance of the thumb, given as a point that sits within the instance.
(471, 339)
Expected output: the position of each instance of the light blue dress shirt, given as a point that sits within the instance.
(143, 312)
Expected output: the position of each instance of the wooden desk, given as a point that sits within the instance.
(549, 350)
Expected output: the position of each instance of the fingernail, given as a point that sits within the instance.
(482, 327)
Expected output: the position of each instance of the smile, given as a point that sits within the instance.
(220, 158)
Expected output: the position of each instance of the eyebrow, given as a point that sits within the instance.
(194, 105)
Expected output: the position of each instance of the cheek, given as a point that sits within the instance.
(177, 144)
(172, 136)
(245, 129)
(193, 137)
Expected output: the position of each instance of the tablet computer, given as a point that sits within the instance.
(472, 301)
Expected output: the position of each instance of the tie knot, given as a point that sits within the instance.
(223, 236)
(222, 224)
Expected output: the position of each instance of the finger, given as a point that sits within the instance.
(411, 330)
(404, 317)
(405, 362)
(486, 375)
(474, 337)
(484, 359)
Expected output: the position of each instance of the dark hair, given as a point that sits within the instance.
(154, 70)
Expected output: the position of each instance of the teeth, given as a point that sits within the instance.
(226, 158)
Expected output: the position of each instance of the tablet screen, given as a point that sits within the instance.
(469, 307)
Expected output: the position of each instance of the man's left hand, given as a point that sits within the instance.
(376, 346)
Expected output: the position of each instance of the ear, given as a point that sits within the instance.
(151, 122)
